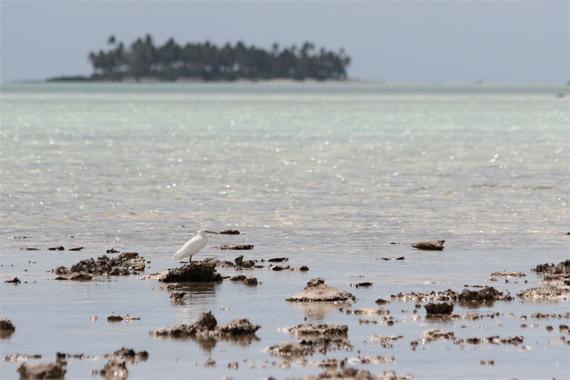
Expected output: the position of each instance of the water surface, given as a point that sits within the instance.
(328, 175)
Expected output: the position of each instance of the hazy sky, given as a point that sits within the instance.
(393, 41)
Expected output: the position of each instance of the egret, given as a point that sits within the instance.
(193, 246)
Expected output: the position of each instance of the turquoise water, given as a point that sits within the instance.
(326, 174)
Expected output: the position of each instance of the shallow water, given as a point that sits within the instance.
(328, 175)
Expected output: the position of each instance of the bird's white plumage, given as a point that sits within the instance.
(192, 246)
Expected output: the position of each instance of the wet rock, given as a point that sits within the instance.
(114, 318)
(487, 362)
(369, 311)
(542, 315)
(506, 273)
(278, 260)
(312, 339)
(442, 308)
(218, 263)
(130, 355)
(125, 264)
(229, 232)
(386, 341)
(76, 249)
(545, 293)
(60, 270)
(362, 284)
(210, 363)
(244, 264)
(234, 365)
(375, 359)
(476, 316)
(278, 268)
(430, 245)
(381, 301)
(58, 248)
(192, 272)
(14, 358)
(485, 294)
(207, 326)
(29, 249)
(316, 290)
(444, 296)
(318, 330)
(303, 268)
(515, 340)
(433, 335)
(117, 318)
(112, 250)
(115, 369)
(392, 258)
(430, 336)
(238, 327)
(557, 279)
(206, 322)
(247, 280)
(14, 281)
(560, 268)
(238, 247)
(331, 363)
(6, 328)
(52, 370)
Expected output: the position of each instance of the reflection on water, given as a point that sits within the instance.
(317, 311)
(478, 304)
(208, 343)
(6, 334)
(195, 290)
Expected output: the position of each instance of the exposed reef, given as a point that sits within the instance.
(317, 291)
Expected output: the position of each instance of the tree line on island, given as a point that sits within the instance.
(206, 61)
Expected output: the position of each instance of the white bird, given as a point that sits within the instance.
(193, 246)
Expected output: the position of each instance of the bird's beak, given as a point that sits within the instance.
(212, 232)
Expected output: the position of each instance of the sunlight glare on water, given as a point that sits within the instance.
(332, 175)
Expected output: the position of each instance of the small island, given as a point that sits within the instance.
(142, 60)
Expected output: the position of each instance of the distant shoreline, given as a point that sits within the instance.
(82, 79)
(71, 79)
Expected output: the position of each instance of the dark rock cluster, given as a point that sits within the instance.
(126, 263)
(207, 326)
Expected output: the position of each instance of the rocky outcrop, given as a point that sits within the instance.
(442, 308)
(317, 291)
(429, 245)
(207, 326)
(191, 272)
(51, 370)
(238, 247)
(126, 263)
(313, 339)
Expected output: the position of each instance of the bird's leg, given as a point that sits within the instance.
(190, 259)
